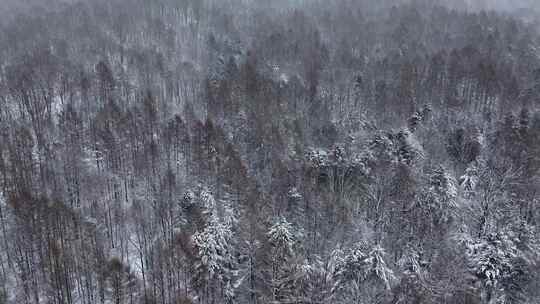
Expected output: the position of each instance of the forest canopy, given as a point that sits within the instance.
(287, 151)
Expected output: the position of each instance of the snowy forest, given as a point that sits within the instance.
(269, 152)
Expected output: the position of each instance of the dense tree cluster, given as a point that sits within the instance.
(242, 151)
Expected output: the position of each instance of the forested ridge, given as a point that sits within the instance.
(287, 151)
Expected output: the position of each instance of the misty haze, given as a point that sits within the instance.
(269, 151)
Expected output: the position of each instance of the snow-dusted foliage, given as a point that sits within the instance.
(188, 198)
(207, 200)
(363, 263)
(294, 194)
(204, 201)
(440, 195)
(215, 266)
(409, 148)
(443, 186)
(418, 117)
(283, 237)
(318, 277)
(286, 270)
(212, 247)
(318, 158)
(211, 244)
(410, 262)
(415, 280)
(215, 253)
(200, 197)
(382, 145)
(469, 180)
(338, 154)
(499, 266)
(400, 147)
